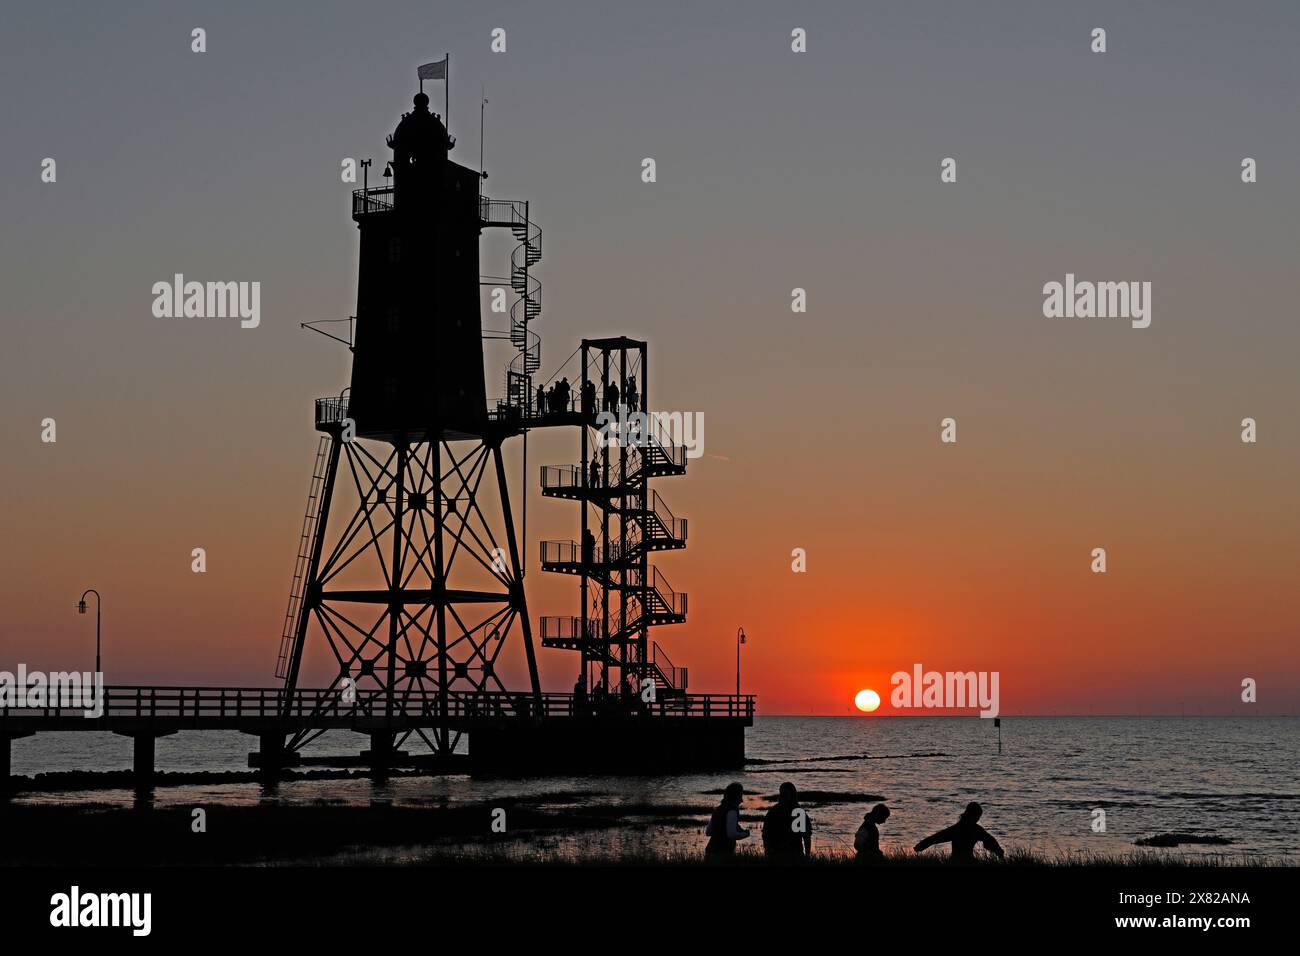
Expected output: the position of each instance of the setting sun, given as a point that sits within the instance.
(867, 700)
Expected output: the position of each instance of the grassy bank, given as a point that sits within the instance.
(542, 830)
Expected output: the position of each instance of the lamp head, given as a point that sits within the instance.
(81, 607)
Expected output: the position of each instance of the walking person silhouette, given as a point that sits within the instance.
(724, 829)
(787, 829)
(963, 835)
(866, 842)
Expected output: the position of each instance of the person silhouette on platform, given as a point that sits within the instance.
(963, 835)
(541, 400)
(787, 829)
(611, 397)
(580, 694)
(562, 392)
(594, 475)
(866, 842)
(724, 828)
(588, 397)
(588, 547)
(631, 393)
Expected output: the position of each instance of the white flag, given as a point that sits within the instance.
(433, 71)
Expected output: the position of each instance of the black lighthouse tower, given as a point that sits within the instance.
(417, 363)
(409, 569)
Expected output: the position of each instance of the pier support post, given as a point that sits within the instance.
(272, 755)
(142, 753)
(382, 754)
(143, 758)
(7, 739)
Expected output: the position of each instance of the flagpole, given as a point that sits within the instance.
(446, 91)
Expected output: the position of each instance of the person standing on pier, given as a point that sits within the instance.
(724, 829)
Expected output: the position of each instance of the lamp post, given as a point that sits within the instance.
(81, 609)
(740, 639)
(365, 176)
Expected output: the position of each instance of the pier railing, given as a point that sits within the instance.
(230, 705)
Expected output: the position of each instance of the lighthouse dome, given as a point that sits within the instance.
(420, 133)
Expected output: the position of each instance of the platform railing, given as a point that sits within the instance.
(372, 199)
(505, 212)
(226, 703)
(569, 628)
(331, 410)
(674, 601)
(561, 476)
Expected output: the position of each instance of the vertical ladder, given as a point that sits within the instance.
(299, 582)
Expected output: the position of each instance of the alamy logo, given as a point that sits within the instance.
(71, 689)
(74, 908)
(945, 690)
(179, 299)
(634, 429)
(1103, 300)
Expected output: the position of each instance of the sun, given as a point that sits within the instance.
(867, 700)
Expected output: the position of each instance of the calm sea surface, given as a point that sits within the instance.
(1231, 777)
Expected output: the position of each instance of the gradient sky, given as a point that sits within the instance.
(775, 170)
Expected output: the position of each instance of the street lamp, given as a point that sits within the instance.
(81, 609)
(740, 639)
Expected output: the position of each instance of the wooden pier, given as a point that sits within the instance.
(507, 734)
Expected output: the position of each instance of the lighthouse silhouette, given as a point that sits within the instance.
(408, 586)
(409, 570)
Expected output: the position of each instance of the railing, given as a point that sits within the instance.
(227, 703)
(503, 212)
(561, 552)
(556, 628)
(674, 603)
(562, 476)
(571, 552)
(372, 199)
(675, 676)
(332, 410)
(673, 527)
